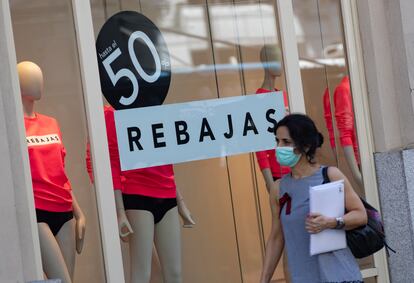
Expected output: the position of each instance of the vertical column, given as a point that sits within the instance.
(400, 23)
(99, 146)
(18, 232)
(386, 37)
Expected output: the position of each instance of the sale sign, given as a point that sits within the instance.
(134, 63)
(181, 132)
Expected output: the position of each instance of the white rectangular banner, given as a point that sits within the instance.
(175, 133)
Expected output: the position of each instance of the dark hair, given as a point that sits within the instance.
(304, 134)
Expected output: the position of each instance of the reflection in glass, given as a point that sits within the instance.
(345, 125)
(44, 33)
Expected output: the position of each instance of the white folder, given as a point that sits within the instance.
(328, 200)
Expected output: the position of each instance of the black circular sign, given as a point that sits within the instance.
(134, 63)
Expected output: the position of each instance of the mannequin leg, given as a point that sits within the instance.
(168, 246)
(52, 259)
(67, 244)
(140, 244)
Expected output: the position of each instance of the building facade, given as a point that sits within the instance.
(348, 64)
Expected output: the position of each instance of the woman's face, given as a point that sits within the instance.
(283, 137)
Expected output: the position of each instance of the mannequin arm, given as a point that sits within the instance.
(80, 224)
(124, 226)
(184, 212)
(267, 175)
(350, 158)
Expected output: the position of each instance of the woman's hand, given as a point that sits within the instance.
(124, 227)
(316, 223)
(80, 232)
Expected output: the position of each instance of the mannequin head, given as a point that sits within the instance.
(31, 80)
(271, 58)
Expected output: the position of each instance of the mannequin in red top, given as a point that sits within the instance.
(270, 56)
(148, 204)
(345, 123)
(61, 223)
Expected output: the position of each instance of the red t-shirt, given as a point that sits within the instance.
(51, 187)
(267, 158)
(156, 182)
(344, 116)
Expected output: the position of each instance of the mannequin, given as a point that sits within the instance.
(148, 205)
(271, 57)
(344, 117)
(61, 222)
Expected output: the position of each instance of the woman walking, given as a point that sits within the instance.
(297, 141)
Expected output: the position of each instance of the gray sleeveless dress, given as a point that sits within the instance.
(336, 266)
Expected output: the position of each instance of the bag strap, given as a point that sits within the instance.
(325, 175)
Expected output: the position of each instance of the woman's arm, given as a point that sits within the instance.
(355, 216)
(275, 243)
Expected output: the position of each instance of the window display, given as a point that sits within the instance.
(214, 50)
(217, 51)
(56, 129)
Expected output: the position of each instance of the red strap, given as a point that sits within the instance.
(283, 200)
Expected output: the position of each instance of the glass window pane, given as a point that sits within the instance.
(327, 88)
(218, 49)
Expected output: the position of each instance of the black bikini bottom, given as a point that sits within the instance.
(55, 220)
(157, 206)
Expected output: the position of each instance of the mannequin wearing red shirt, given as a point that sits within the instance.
(344, 117)
(59, 233)
(270, 57)
(148, 204)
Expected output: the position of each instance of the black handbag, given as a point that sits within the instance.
(368, 239)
